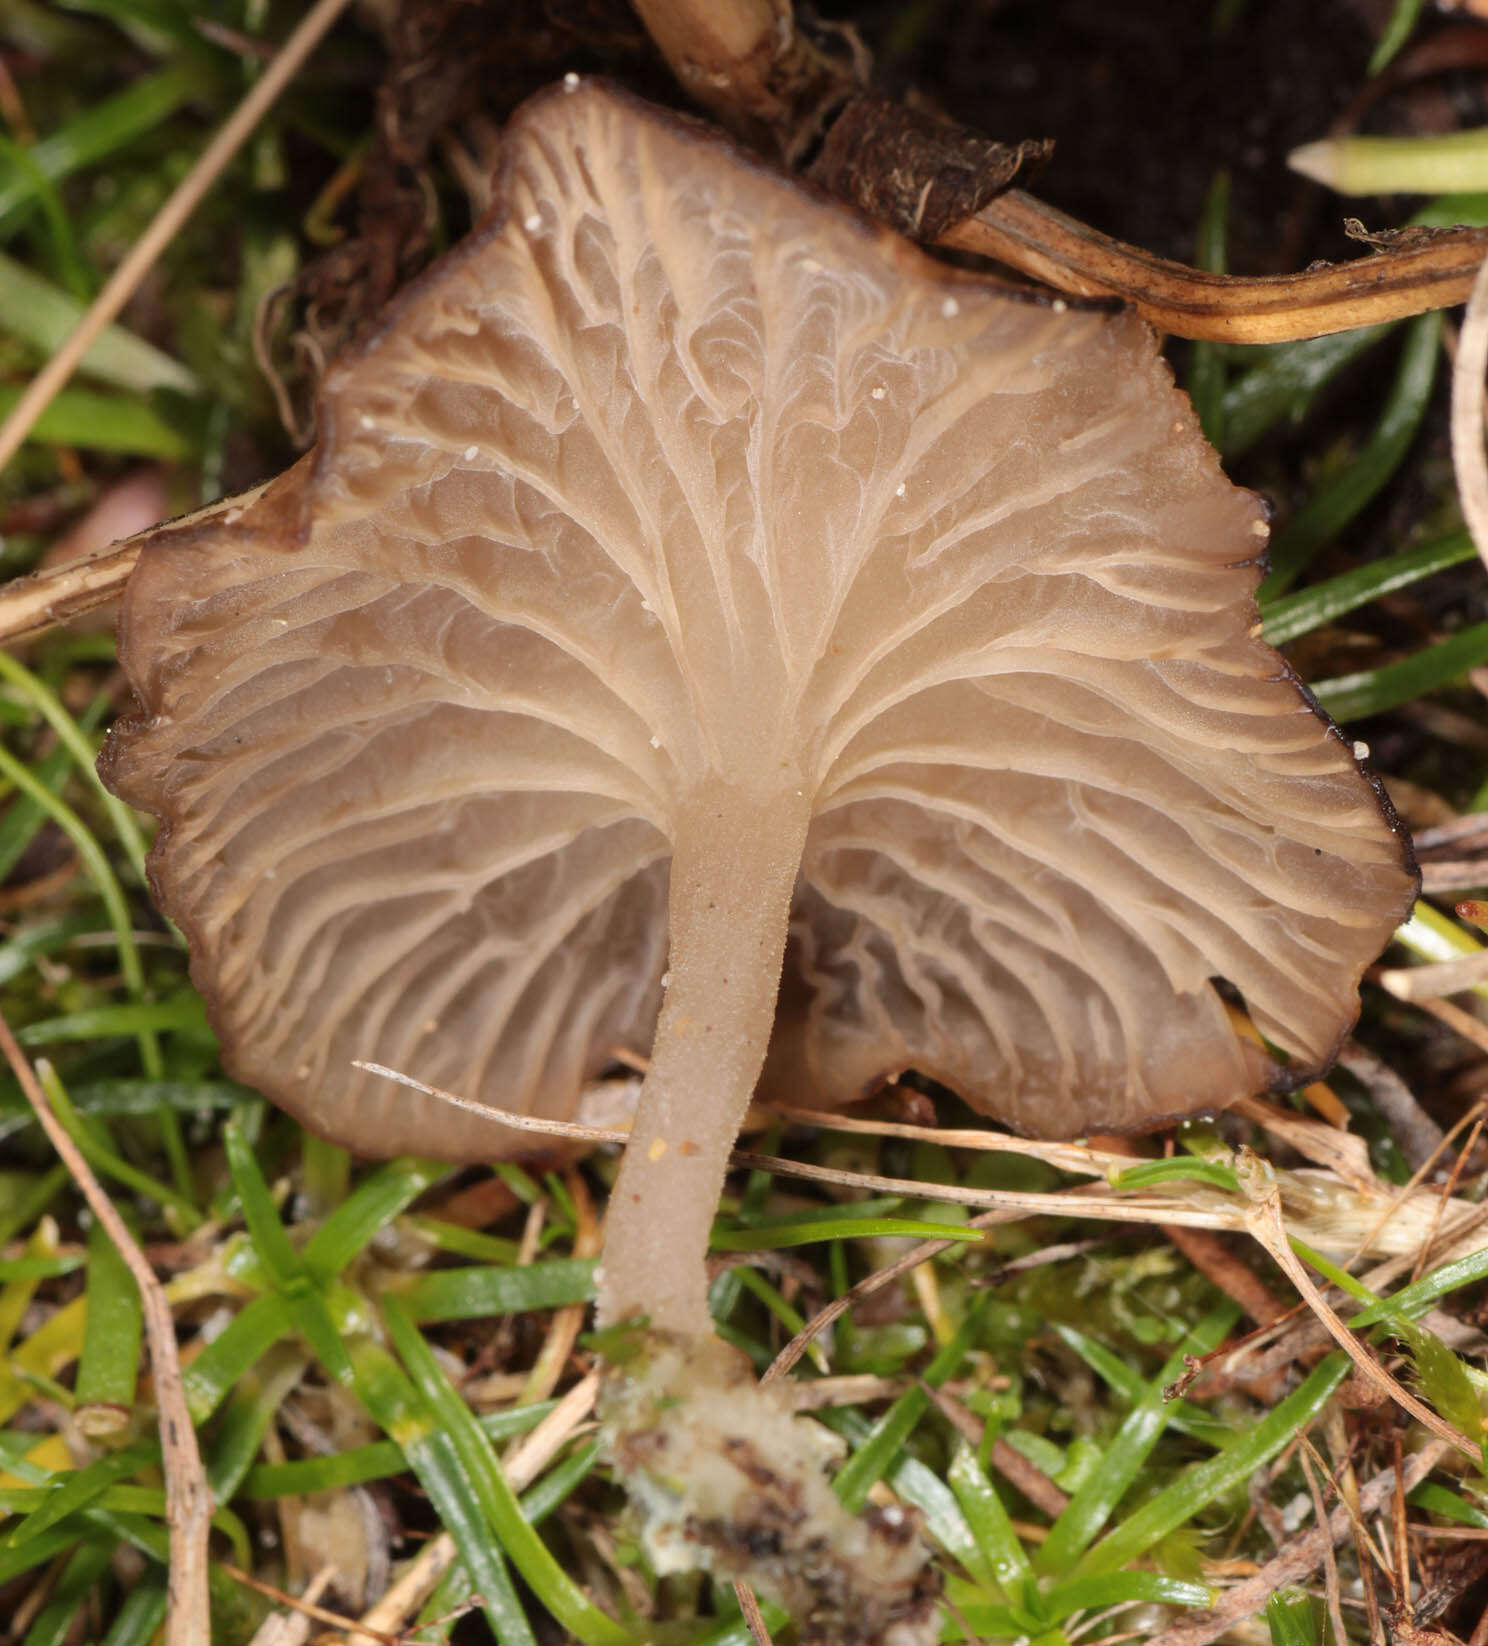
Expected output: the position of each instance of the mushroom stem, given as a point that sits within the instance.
(734, 863)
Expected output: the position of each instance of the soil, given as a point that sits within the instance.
(1146, 102)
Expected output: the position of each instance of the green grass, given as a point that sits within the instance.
(344, 1330)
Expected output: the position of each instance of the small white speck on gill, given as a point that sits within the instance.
(532, 222)
(1059, 306)
(950, 308)
(879, 393)
(471, 453)
(1361, 751)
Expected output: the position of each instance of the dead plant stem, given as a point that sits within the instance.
(187, 1495)
(167, 224)
(1300, 1557)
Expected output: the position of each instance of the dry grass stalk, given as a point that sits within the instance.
(522, 1466)
(303, 1605)
(1033, 238)
(187, 1495)
(167, 223)
(1312, 1469)
(1299, 1559)
(1268, 1226)
(567, 1322)
(527, 1461)
(404, 1597)
(292, 1627)
(750, 1608)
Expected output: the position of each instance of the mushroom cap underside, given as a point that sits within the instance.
(675, 471)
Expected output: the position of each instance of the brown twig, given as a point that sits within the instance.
(1402, 1571)
(750, 66)
(750, 1608)
(188, 1497)
(1312, 1469)
(414, 1586)
(306, 1608)
(1408, 279)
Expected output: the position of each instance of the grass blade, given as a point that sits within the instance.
(72, 737)
(360, 1464)
(287, 1270)
(103, 423)
(1285, 381)
(1199, 1485)
(407, 1420)
(41, 314)
(1092, 1505)
(376, 1201)
(1356, 696)
(1207, 365)
(1123, 1589)
(100, 132)
(1332, 508)
(140, 1614)
(1297, 614)
(467, 1294)
(55, 1621)
(108, 1369)
(529, 1554)
(247, 1337)
(873, 1458)
(1002, 1552)
(103, 877)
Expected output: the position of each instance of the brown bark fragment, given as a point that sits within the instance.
(918, 174)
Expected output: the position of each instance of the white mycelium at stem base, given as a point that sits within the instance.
(735, 858)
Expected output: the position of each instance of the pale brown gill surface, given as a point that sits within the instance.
(677, 487)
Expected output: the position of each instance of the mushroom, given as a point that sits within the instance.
(694, 582)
